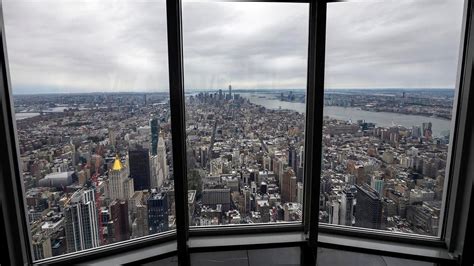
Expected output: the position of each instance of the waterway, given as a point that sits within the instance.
(440, 127)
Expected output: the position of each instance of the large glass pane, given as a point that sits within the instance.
(390, 84)
(90, 89)
(245, 79)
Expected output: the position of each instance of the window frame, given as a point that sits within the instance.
(457, 192)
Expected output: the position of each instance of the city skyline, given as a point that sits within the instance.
(190, 91)
(131, 54)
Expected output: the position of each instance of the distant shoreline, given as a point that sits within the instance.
(262, 90)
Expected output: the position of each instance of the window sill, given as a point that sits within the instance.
(246, 241)
(282, 239)
(161, 244)
(139, 256)
(385, 248)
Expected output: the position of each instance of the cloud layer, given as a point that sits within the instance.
(121, 45)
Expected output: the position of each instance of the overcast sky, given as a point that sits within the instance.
(111, 45)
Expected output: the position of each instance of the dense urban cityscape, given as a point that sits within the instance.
(97, 167)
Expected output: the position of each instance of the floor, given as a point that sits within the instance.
(288, 256)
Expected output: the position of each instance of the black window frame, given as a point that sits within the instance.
(458, 210)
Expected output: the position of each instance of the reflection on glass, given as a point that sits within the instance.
(245, 80)
(390, 79)
(91, 97)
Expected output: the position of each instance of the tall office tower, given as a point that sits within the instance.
(288, 187)
(300, 170)
(156, 175)
(293, 189)
(292, 160)
(229, 96)
(346, 214)
(377, 184)
(369, 208)
(299, 193)
(157, 212)
(416, 131)
(203, 156)
(277, 168)
(300, 174)
(119, 220)
(120, 185)
(426, 126)
(81, 222)
(139, 159)
(155, 131)
(162, 165)
(301, 156)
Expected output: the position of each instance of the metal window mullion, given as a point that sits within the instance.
(11, 183)
(176, 81)
(461, 173)
(316, 64)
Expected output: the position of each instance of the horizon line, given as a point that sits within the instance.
(235, 90)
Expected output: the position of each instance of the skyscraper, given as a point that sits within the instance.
(139, 159)
(369, 208)
(155, 131)
(346, 214)
(426, 126)
(416, 131)
(81, 222)
(120, 186)
(288, 187)
(300, 170)
(119, 221)
(292, 158)
(377, 184)
(140, 223)
(157, 212)
(161, 152)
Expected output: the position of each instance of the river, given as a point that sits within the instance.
(440, 127)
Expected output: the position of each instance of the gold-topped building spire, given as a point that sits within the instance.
(117, 164)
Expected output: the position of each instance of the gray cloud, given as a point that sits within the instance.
(118, 45)
(393, 44)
